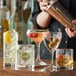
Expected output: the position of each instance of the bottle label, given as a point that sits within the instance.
(19, 29)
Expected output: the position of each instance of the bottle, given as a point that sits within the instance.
(61, 14)
(18, 21)
(27, 8)
(4, 20)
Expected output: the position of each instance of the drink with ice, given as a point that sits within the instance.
(10, 46)
(26, 57)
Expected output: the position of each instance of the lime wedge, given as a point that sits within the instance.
(25, 56)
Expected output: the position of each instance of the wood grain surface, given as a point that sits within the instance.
(35, 73)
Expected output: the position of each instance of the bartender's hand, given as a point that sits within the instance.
(70, 32)
(43, 5)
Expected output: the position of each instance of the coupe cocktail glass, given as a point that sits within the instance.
(37, 37)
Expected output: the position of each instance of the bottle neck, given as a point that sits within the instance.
(2, 3)
(19, 6)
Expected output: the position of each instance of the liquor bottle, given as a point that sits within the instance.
(27, 8)
(61, 14)
(19, 23)
(4, 20)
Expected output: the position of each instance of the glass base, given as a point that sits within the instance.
(52, 68)
(40, 64)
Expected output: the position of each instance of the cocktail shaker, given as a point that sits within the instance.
(60, 14)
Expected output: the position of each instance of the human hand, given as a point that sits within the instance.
(71, 33)
(43, 4)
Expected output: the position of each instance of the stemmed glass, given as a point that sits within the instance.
(37, 36)
(52, 42)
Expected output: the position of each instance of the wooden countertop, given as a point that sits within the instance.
(35, 73)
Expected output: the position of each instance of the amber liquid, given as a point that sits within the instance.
(37, 38)
(5, 24)
(64, 61)
(26, 14)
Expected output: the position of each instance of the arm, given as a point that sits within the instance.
(41, 18)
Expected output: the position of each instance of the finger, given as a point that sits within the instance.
(39, 0)
(42, 0)
(68, 32)
(74, 34)
(43, 3)
(43, 8)
(74, 21)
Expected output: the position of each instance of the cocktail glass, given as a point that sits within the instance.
(37, 37)
(52, 42)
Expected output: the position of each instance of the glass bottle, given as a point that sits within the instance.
(4, 20)
(18, 21)
(27, 8)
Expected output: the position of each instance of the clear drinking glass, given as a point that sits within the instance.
(52, 42)
(10, 47)
(26, 57)
(64, 59)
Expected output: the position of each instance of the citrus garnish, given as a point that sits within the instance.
(25, 56)
(8, 37)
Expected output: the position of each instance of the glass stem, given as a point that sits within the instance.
(38, 53)
(52, 57)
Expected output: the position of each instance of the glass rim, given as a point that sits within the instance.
(65, 49)
(38, 30)
(56, 32)
(26, 45)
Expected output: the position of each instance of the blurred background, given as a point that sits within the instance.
(18, 12)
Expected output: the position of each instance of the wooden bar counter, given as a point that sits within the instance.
(35, 73)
